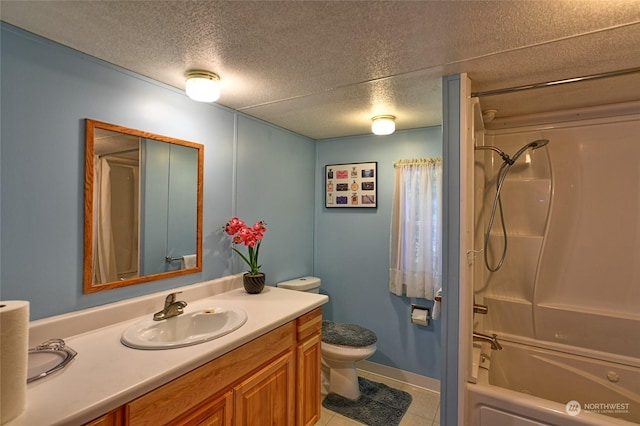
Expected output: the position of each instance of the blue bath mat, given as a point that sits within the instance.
(378, 405)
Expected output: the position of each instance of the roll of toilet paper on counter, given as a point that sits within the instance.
(14, 352)
(420, 316)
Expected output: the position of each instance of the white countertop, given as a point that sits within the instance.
(106, 374)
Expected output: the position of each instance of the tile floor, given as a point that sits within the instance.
(423, 411)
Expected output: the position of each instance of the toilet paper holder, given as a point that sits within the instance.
(420, 315)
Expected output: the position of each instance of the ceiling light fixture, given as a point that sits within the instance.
(202, 86)
(383, 124)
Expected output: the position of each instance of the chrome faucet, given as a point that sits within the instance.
(172, 308)
(493, 340)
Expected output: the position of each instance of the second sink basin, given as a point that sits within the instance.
(200, 322)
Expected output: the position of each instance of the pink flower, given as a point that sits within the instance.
(250, 237)
(233, 226)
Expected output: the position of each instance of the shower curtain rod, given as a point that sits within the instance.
(126, 151)
(555, 83)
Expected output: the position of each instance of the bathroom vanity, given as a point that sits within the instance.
(265, 372)
(258, 383)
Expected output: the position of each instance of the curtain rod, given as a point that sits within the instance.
(126, 151)
(555, 83)
(414, 161)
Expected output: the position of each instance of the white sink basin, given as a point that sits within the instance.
(200, 322)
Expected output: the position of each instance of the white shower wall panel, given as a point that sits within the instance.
(507, 316)
(597, 330)
(587, 278)
(591, 257)
(525, 204)
(517, 276)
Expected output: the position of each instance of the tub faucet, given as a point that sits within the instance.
(480, 309)
(493, 340)
(172, 308)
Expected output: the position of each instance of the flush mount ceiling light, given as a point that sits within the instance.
(202, 86)
(383, 124)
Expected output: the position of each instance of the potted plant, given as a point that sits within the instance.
(251, 237)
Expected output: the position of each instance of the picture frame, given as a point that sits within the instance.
(351, 185)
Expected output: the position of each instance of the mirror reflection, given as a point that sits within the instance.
(143, 207)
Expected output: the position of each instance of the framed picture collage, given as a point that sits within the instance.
(351, 185)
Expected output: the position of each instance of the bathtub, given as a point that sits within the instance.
(524, 385)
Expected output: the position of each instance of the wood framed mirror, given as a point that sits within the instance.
(142, 207)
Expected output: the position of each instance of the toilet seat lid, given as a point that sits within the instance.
(347, 334)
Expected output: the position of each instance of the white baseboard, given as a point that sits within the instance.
(400, 375)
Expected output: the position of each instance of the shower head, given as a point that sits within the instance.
(510, 160)
(533, 145)
(538, 144)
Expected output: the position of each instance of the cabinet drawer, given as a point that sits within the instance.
(309, 324)
(114, 418)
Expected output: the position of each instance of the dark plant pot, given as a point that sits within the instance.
(253, 284)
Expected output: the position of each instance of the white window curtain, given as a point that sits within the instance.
(416, 229)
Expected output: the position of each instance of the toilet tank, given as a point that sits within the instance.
(307, 284)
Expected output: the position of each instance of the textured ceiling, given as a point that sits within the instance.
(324, 68)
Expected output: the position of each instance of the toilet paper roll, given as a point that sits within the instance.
(420, 316)
(14, 352)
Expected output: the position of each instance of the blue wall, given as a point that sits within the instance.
(47, 92)
(352, 252)
(252, 169)
(277, 186)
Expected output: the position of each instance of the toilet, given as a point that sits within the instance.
(342, 345)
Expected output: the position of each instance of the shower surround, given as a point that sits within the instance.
(571, 277)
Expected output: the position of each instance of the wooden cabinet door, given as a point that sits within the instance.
(308, 358)
(308, 375)
(267, 397)
(216, 412)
